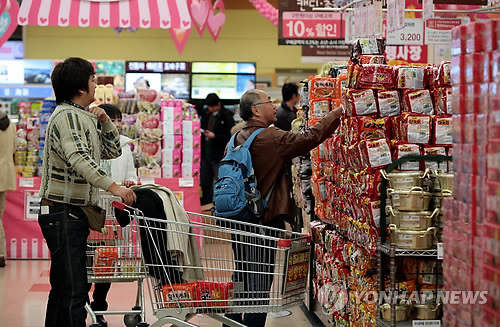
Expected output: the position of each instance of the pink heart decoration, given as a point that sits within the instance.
(180, 37)
(216, 20)
(3, 4)
(22, 20)
(166, 23)
(104, 21)
(124, 21)
(199, 13)
(145, 22)
(64, 20)
(185, 23)
(43, 20)
(11, 15)
(84, 21)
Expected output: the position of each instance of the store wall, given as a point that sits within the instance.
(246, 36)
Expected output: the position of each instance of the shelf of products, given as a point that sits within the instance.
(390, 112)
(409, 253)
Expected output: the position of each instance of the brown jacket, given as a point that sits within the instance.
(271, 150)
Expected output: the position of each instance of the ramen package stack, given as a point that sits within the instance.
(472, 221)
(389, 112)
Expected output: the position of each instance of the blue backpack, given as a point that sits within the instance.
(235, 192)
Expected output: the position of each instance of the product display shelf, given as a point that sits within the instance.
(408, 253)
(382, 323)
(390, 250)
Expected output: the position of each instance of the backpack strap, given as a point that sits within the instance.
(252, 137)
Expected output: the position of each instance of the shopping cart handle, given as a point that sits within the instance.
(118, 205)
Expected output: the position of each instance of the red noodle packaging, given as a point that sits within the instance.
(472, 224)
(389, 112)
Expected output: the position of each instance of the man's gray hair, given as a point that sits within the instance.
(247, 101)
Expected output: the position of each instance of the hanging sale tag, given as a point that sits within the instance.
(391, 15)
(427, 9)
(400, 14)
(377, 14)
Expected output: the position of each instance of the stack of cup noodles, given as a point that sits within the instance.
(472, 220)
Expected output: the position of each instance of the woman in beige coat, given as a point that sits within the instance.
(8, 177)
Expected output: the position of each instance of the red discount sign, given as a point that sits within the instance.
(311, 28)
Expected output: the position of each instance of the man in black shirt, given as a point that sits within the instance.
(287, 112)
(216, 126)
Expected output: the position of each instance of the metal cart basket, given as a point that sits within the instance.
(219, 267)
(115, 256)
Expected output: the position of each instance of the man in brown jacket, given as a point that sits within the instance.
(270, 151)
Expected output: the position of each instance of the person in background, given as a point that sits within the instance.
(216, 126)
(271, 150)
(69, 187)
(287, 111)
(122, 171)
(8, 175)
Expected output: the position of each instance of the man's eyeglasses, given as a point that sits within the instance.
(256, 104)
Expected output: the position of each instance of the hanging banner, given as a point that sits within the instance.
(299, 25)
(175, 15)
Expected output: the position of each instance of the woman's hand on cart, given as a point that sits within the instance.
(127, 195)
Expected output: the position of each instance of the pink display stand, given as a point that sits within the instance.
(22, 233)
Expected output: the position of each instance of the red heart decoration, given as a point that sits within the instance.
(148, 95)
(149, 148)
(12, 15)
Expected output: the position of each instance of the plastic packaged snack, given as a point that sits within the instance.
(389, 103)
(419, 102)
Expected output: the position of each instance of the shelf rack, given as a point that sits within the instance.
(390, 249)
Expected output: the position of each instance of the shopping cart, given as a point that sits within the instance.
(238, 268)
(115, 256)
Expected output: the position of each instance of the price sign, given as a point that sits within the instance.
(311, 25)
(426, 323)
(440, 251)
(438, 30)
(311, 28)
(411, 34)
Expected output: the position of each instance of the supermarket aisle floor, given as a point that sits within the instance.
(24, 288)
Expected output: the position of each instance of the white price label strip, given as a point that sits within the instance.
(411, 34)
(440, 251)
